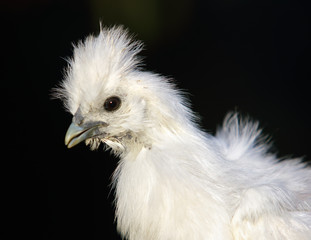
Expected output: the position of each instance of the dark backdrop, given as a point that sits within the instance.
(250, 56)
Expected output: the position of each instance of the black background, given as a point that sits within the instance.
(250, 56)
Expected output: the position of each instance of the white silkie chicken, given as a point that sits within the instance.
(174, 181)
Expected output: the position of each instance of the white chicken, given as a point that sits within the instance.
(173, 180)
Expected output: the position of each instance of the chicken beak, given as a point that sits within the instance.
(76, 134)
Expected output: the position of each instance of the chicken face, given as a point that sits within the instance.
(115, 119)
(115, 102)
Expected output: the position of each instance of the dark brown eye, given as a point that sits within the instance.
(112, 103)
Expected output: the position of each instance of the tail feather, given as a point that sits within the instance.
(241, 137)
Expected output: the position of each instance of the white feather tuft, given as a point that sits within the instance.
(241, 137)
(96, 65)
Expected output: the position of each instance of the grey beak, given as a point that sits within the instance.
(76, 134)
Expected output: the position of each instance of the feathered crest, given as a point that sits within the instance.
(98, 63)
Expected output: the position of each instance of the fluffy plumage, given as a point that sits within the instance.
(174, 181)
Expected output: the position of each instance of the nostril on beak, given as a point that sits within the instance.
(77, 117)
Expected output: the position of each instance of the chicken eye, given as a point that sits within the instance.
(112, 103)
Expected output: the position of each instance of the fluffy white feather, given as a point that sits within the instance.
(175, 181)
